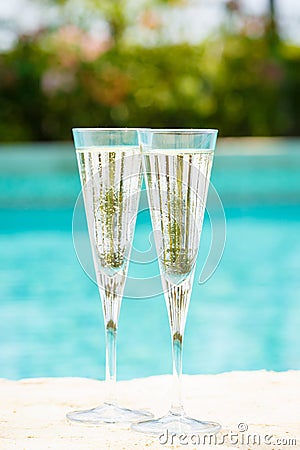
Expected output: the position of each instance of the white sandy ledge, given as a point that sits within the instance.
(32, 411)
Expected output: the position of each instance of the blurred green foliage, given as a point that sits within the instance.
(236, 81)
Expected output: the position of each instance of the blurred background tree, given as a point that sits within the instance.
(113, 63)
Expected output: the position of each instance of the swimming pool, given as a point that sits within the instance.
(247, 316)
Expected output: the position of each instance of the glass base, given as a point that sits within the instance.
(176, 424)
(108, 413)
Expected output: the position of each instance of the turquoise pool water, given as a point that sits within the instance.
(247, 316)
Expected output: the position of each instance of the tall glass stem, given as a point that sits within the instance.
(111, 291)
(176, 406)
(177, 299)
(111, 339)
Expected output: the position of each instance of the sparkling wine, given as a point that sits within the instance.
(177, 187)
(111, 179)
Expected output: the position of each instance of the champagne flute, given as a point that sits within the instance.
(109, 162)
(177, 165)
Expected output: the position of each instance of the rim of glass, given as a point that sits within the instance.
(181, 130)
(108, 129)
